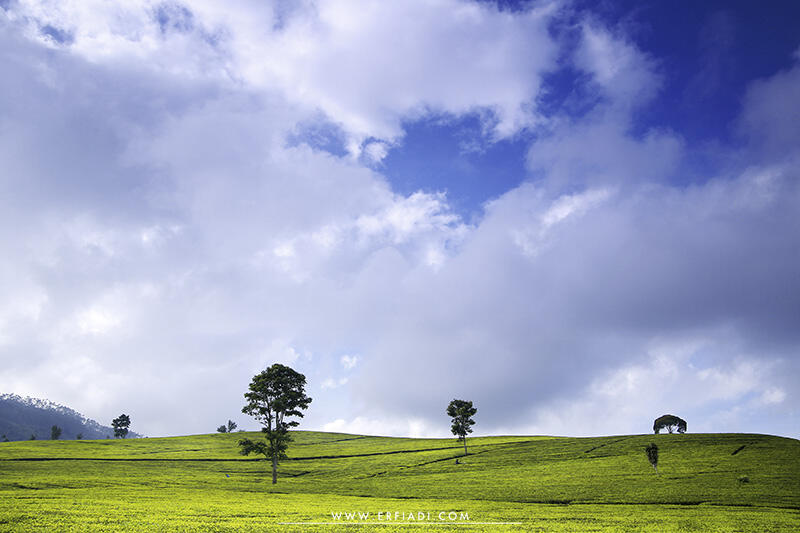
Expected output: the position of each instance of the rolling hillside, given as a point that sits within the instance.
(22, 417)
(735, 482)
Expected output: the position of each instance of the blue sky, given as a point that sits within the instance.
(706, 53)
(579, 215)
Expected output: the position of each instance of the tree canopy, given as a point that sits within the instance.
(121, 425)
(227, 428)
(670, 422)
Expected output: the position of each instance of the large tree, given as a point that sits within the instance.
(670, 422)
(275, 395)
(461, 411)
(121, 425)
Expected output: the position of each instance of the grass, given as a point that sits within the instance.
(200, 483)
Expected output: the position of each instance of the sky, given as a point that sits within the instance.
(578, 215)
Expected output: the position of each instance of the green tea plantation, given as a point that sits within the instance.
(339, 482)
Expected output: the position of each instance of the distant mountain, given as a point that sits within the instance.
(22, 417)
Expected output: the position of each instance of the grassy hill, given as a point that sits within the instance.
(726, 482)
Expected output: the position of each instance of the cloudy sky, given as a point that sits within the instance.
(578, 217)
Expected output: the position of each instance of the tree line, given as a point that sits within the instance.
(277, 394)
(120, 425)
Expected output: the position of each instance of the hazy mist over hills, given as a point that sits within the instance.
(22, 417)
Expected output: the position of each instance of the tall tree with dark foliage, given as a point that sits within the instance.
(121, 425)
(275, 395)
(652, 455)
(461, 411)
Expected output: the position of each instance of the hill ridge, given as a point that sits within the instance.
(24, 416)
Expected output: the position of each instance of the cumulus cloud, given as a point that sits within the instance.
(534, 327)
(367, 66)
(386, 426)
(771, 113)
(624, 74)
(331, 383)
(349, 361)
(163, 240)
(376, 151)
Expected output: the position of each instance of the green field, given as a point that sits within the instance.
(200, 483)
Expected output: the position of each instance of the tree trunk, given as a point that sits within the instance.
(465, 446)
(655, 467)
(274, 470)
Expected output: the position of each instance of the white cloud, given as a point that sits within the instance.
(599, 151)
(375, 152)
(97, 321)
(385, 426)
(22, 305)
(549, 302)
(280, 351)
(367, 66)
(331, 383)
(771, 114)
(625, 74)
(410, 217)
(531, 236)
(773, 395)
(349, 361)
(157, 235)
(667, 380)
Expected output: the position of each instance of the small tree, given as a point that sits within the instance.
(227, 428)
(33, 436)
(55, 432)
(670, 422)
(79, 436)
(5, 439)
(121, 425)
(461, 411)
(652, 455)
(275, 394)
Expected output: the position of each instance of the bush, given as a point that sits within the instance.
(652, 455)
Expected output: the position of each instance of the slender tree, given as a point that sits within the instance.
(121, 425)
(275, 395)
(652, 455)
(55, 433)
(231, 426)
(222, 429)
(461, 411)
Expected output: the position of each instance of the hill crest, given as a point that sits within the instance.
(21, 417)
